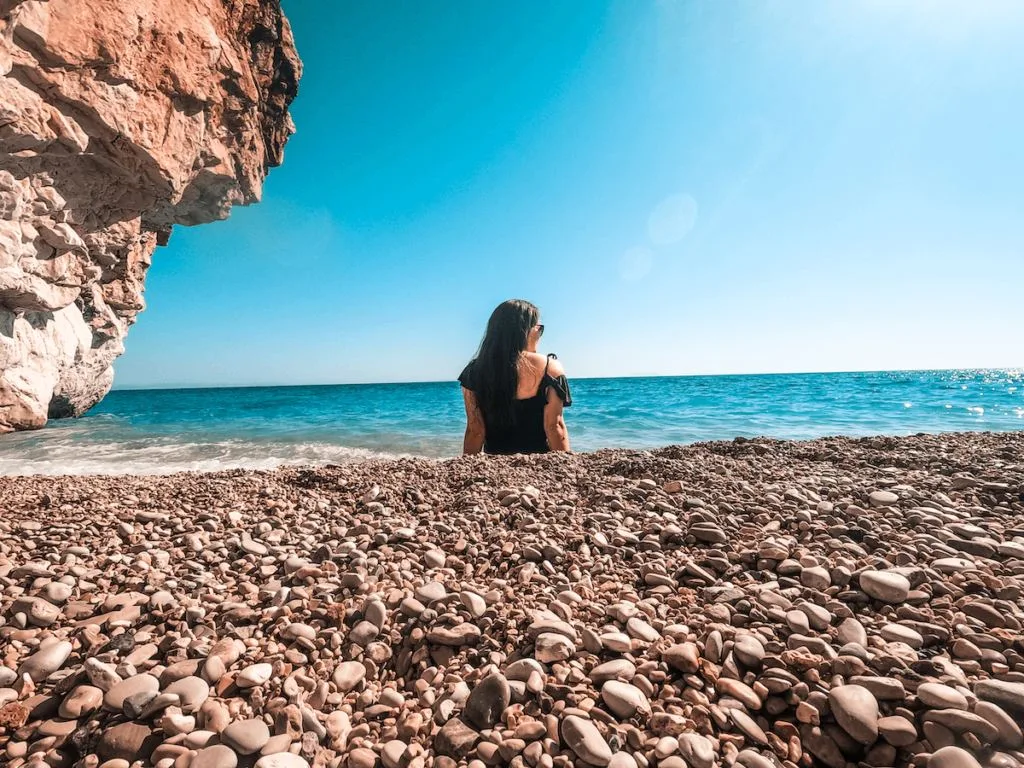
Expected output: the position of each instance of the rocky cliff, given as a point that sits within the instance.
(118, 120)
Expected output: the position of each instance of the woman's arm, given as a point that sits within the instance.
(554, 423)
(473, 442)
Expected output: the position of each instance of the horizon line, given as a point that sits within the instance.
(176, 387)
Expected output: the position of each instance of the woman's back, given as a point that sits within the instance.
(522, 429)
(514, 397)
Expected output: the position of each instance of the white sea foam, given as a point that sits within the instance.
(131, 458)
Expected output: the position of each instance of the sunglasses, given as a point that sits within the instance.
(540, 329)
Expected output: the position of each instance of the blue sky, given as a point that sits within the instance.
(682, 187)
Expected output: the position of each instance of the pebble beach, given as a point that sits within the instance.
(839, 602)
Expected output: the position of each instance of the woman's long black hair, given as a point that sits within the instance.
(496, 365)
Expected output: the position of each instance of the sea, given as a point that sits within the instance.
(161, 431)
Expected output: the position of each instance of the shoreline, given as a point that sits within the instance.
(753, 602)
(382, 459)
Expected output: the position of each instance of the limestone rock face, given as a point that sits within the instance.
(118, 120)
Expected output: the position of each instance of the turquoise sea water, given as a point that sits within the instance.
(154, 431)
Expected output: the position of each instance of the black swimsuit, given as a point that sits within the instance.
(526, 432)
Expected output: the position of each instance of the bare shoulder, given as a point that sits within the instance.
(534, 361)
(555, 367)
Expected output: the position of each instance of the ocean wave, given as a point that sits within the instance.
(165, 458)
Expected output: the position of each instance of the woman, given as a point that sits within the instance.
(514, 396)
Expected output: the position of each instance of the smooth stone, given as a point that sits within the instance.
(362, 757)
(749, 651)
(254, 675)
(1010, 734)
(952, 757)
(454, 637)
(623, 699)
(583, 738)
(473, 603)
(939, 696)
(886, 586)
(551, 646)
(696, 750)
(487, 701)
(748, 726)
(852, 631)
(816, 578)
(348, 674)
(128, 741)
(684, 657)
(83, 700)
(431, 591)
(616, 669)
(897, 633)
(622, 760)
(856, 711)
(48, 659)
(959, 721)
(275, 744)
(883, 498)
(897, 730)
(192, 691)
(392, 752)
(522, 669)
(246, 736)
(1006, 695)
(115, 697)
(217, 756)
(882, 688)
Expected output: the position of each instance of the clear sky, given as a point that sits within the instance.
(682, 187)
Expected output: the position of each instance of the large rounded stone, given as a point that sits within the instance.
(82, 700)
(1005, 694)
(192, 691)
(487, 701)
(246, 737)
(254, 675)
(623, 699)
(886, 586)
(348, 674)
(128, 741)
(48, 659)
(952, 757)
(217, 756)
(939, 696)
(856, 711)
(133, 686)
(586, 741)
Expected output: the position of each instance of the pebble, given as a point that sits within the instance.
(940, 696)
(254, 675)
(348, 674)
(540, 612)
(623, 699)
(856, 711)
(246, 737)
(952, 757)
(586, 741)
(887, 586)
(136, 684)
(488, 701)
(217, 756)
(48, 659)
(83, 700)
